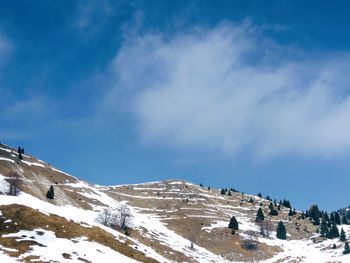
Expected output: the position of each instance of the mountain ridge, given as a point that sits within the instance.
(172, 220)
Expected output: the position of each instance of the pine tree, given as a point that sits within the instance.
(342, 235)
(332, 219)
(337, 218)
(324, 228)
(334, 246)
(229, 193)
(302, 215)
(333, 231)
(286, 203)
(50, 193)
(345, 220)
(346, 248)
(260, 195)
(233, 223)
(259, 215)
(291, 212)
(281, 231)
(223, 191)
(315, 214)
(325, 216)
(273, 211)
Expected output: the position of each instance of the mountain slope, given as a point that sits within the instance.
(172, 221)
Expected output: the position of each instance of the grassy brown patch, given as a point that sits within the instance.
(29, 219)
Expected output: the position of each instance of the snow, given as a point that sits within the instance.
(6, 159)
(6, 150)
(149, 221)
(33, 164)
(52, 248)
(150, 188)
(4, 186)
(6, 259)
(217, 224)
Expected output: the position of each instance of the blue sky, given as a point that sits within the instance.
(252, 95)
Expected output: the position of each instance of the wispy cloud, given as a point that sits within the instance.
(231, 89)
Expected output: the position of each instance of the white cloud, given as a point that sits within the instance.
(230, 89)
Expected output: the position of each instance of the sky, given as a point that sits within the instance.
(252, 95)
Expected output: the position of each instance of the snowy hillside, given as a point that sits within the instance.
(167, 221)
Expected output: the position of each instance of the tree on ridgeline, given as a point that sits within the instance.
(286, 203)
(315, 214)
(337, 218)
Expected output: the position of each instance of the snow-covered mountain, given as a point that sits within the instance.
(166, 221)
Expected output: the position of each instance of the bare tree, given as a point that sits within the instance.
(105, 217)
(116, 217)
(13, 181)
(125, 217)
(265, 227)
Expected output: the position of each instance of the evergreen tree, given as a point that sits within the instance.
(50, 194)
(223, 191)
(273, 211)
(260, 195)
(346, 248)
(334, 246)
(325, 216)
(333, 231)
(233, 223)
(342, 235)
(302, 215)
(291, 212)
(332, 219)
(286, 203)
(259, 215)
(337, 218)
(229, 193)
(281, 231)
(345, 221)
(324, 228)
(208, 188)
(316, 221)
(315, 214)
